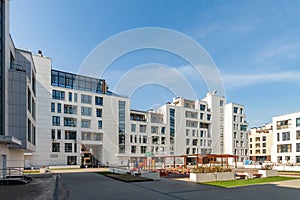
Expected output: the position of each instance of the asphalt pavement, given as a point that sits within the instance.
(94, 186)
(89, 185)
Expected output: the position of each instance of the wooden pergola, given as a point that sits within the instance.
(205, 159)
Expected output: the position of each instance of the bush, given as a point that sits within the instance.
(210, 169)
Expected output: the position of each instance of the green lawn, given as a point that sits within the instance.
(235, 183)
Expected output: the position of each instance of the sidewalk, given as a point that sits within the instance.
(290, 183)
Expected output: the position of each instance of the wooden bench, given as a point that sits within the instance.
(257, 175)
(240, 176)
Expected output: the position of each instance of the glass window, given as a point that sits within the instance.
(284, 148)
(202, 107)
(285, 136)
(70, 96)
(59, 108)
(297, 159)
(52, 107)
(172, 122)
(208, 117)
(163, 129)
(297, 147)
(69, 109)
(86, 99)
(99, 101)
(68, 147)
(264, 138)
(58, 134)
(86, 111)
(99, 112)
(54, 78)
(71, 160)
(75, 97)
(298, 122)
(99, 124)
(143, 128)
(55, 121)
(59, 95)
(143, 149)
(163, 140)
(75, 147)
(133, 149)
(195, 141)
(70, 135)
(235, 109)
(154, 129)
(144, 139)
(221, 102)
(52, 134)
(85, 123)
(71, 122)
(155, 139)
(298, 135)
(29, 100)
(243, 127)
(133, 127)
(55, 147)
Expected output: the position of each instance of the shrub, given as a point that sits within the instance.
(210, 169)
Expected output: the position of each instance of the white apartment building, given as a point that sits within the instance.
(261, 142)
(17, 99)
(286, 139)
(236, 132)
(187, 127)
(53, 118)
(148, 136)
(79, 121)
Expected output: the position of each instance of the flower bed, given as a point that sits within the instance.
(212, 173)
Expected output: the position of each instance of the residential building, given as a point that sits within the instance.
(148, 136)
(261, 142)
(53, 118)
(286, 139)
(236, 132)
(17, 98)
(79, 121)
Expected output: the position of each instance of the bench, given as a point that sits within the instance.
(257, 175)
(240, 176)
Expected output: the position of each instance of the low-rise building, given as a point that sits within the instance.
(286, 139)
(261, 142)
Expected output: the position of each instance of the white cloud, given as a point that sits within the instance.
(287, 50)
(241, 80)
(209, 29)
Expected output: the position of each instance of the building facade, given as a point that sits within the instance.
(261, 142)
(286, 139)
(236, 132)
(17, 98)
(53, 118)
(79, 121)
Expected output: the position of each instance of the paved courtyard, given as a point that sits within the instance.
(89, 186)
(94, 186)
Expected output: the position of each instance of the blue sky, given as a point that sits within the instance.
(255, 44)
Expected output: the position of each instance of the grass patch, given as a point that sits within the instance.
(245, 182)
(57, 169)
(124, 177)
(288, 172)
(105, 173)
(31, 171)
